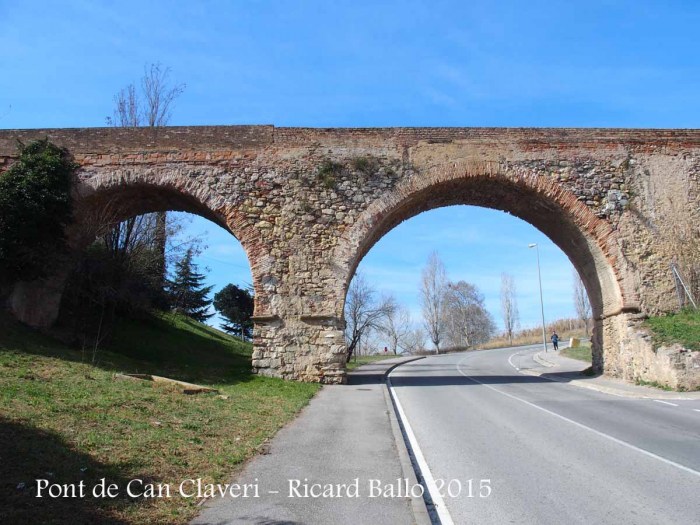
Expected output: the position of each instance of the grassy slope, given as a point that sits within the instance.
(582, 353)
(356, 361)
(682, 327)
(67, 420)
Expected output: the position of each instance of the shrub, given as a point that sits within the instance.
(366, 165)
(35, 207)
(328, 173)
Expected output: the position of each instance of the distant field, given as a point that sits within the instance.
(66, 420)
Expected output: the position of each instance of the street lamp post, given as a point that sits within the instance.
(539, 275)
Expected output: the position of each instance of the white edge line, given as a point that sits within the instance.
(581, 425)
(440, 507)
(665, 402)
(697, 409)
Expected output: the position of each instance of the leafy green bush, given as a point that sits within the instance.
(35, 207)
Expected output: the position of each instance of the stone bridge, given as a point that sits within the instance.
(308, 204)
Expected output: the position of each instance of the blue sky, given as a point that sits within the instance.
(478, 63)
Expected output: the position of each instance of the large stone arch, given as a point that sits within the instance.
(589, 242)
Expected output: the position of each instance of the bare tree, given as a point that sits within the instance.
(159, 95)
(414, 341)
(127, 111)
(509, 305)
(117, 273)
(364, 311)
(432, 293)
(396, 326)
(150, 107)
(470, 322)
(581, 302)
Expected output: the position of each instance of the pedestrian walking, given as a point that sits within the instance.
(555, 340)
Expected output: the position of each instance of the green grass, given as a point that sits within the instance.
(65, 419)
(582, 353)
(181, 346)
(654, 384)
(682, 327)
(367, 359)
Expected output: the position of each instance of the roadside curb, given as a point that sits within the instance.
(420, 512)
(396, 365)
(433, 507)
(602, 388)
(418, 506)
(541, 360)
(580, 384)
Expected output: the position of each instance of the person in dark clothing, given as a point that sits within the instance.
(555, 340)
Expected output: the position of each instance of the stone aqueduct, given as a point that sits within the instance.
(307, 205)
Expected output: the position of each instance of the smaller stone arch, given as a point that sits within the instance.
(588, 241)
(124, 194)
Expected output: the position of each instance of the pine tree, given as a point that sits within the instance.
(187, 292)
(235, 305)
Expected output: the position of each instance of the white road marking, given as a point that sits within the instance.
(697, 409)
(665, 402)
(580, 425)
(511, 362)
(443, 513)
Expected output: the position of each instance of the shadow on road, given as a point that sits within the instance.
(437, 374)
(476, 378)
(367, 377)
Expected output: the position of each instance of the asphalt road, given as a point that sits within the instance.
(551, 452)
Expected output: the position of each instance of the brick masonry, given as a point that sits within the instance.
(307, 205)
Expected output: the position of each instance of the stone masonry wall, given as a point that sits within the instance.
(307, 204)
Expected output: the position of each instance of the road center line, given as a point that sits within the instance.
(665, 402)
(440, 508)
(511, 362)
(581, 425)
